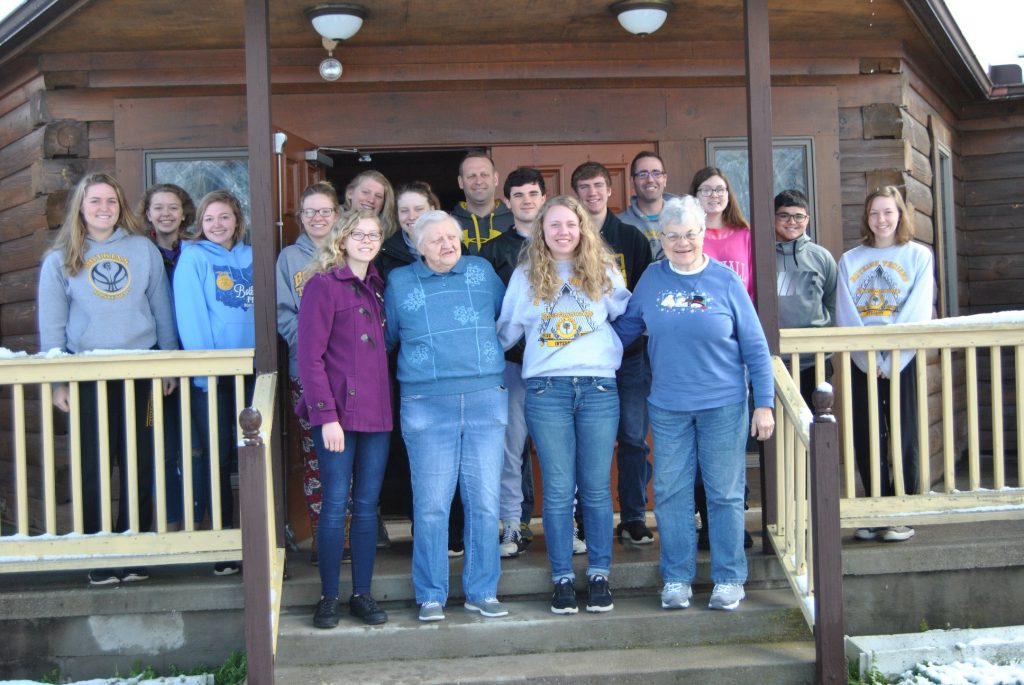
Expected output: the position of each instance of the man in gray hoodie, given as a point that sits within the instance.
(806, 278)
(647, 170)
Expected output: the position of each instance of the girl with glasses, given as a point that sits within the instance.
(728, 237)
(318, 209)
(343, 369)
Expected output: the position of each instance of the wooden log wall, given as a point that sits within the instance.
(992, 224)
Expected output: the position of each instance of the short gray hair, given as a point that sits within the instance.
(681, 210)
(434, 216)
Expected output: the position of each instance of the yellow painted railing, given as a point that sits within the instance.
(949, 377)
(41, 467)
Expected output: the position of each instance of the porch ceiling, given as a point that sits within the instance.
(130, 25)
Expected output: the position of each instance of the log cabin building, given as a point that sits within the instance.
(862, 94)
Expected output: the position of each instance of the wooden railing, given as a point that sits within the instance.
(41, 468)
(816, 491)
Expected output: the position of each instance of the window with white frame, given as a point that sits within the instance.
(792, 166)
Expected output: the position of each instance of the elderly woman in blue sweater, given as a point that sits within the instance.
(704, 340)
(442, 310)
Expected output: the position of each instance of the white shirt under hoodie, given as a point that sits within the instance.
(571, 336)
(878, 286)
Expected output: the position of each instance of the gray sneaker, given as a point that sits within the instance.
(431, 611)
(489, 608)
(726, 596)
(676, 595)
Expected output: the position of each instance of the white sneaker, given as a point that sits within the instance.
(726, 596)
(897, 533)
(512, 543)
(578, 545)
(676, 595)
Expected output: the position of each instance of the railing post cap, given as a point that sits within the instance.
(823, 398)
(250, 420)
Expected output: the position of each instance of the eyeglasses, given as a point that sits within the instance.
(784, 217)
(326, 212)
(359, 236)
(689, 236)
(644, 175)
(708, 192)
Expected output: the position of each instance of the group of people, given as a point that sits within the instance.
(117, 280)
(460, 336)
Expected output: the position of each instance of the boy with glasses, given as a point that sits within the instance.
(806, 278)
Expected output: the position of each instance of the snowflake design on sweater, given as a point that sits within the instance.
(414, 300)
(684, 302)
(474, 275)
(489, 351)
(419, 354)
(465, 315)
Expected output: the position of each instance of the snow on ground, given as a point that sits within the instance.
(969, 672)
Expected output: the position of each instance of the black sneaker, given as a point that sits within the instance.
(636, 532)
(326, 614)
(226, 568)
(364, 607)
(104, 576)
(456, 547)
(600, 598)
(346, 555)
(563, 599)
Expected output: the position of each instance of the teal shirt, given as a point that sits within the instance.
(445, 324)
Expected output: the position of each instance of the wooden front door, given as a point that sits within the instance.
(292, 174)
(557, 162)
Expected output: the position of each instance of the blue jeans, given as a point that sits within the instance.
(573, 421)
(361, 465)
(634, 381)
(455, 439)
(515, 440)
(714, 439)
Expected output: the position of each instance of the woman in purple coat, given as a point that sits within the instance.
(343, 367)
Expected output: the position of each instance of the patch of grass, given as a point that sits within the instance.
(873, 676)
(231, 672)
(52, 677)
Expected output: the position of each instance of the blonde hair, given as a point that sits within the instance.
(590, 263)
(331, 254)
(388, 222)
(70, 240)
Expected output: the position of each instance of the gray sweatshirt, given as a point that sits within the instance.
(571, 336)
(647, 225)
(119, 300)
(290, 263)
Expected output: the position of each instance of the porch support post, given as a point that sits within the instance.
(759, 139)
(827, 564)
(255, 542)
(261, 203)
(261, 188)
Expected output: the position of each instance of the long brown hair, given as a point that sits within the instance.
(904, 229)
(70, 240)
(733, 215)
(229, 199)
(590, 264)
(188, 208)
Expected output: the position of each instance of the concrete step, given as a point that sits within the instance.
(531, 628)
(779, 663)
(633, 567)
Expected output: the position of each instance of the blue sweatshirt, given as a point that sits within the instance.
(213, 298)
(446, 325)
(703, 334)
